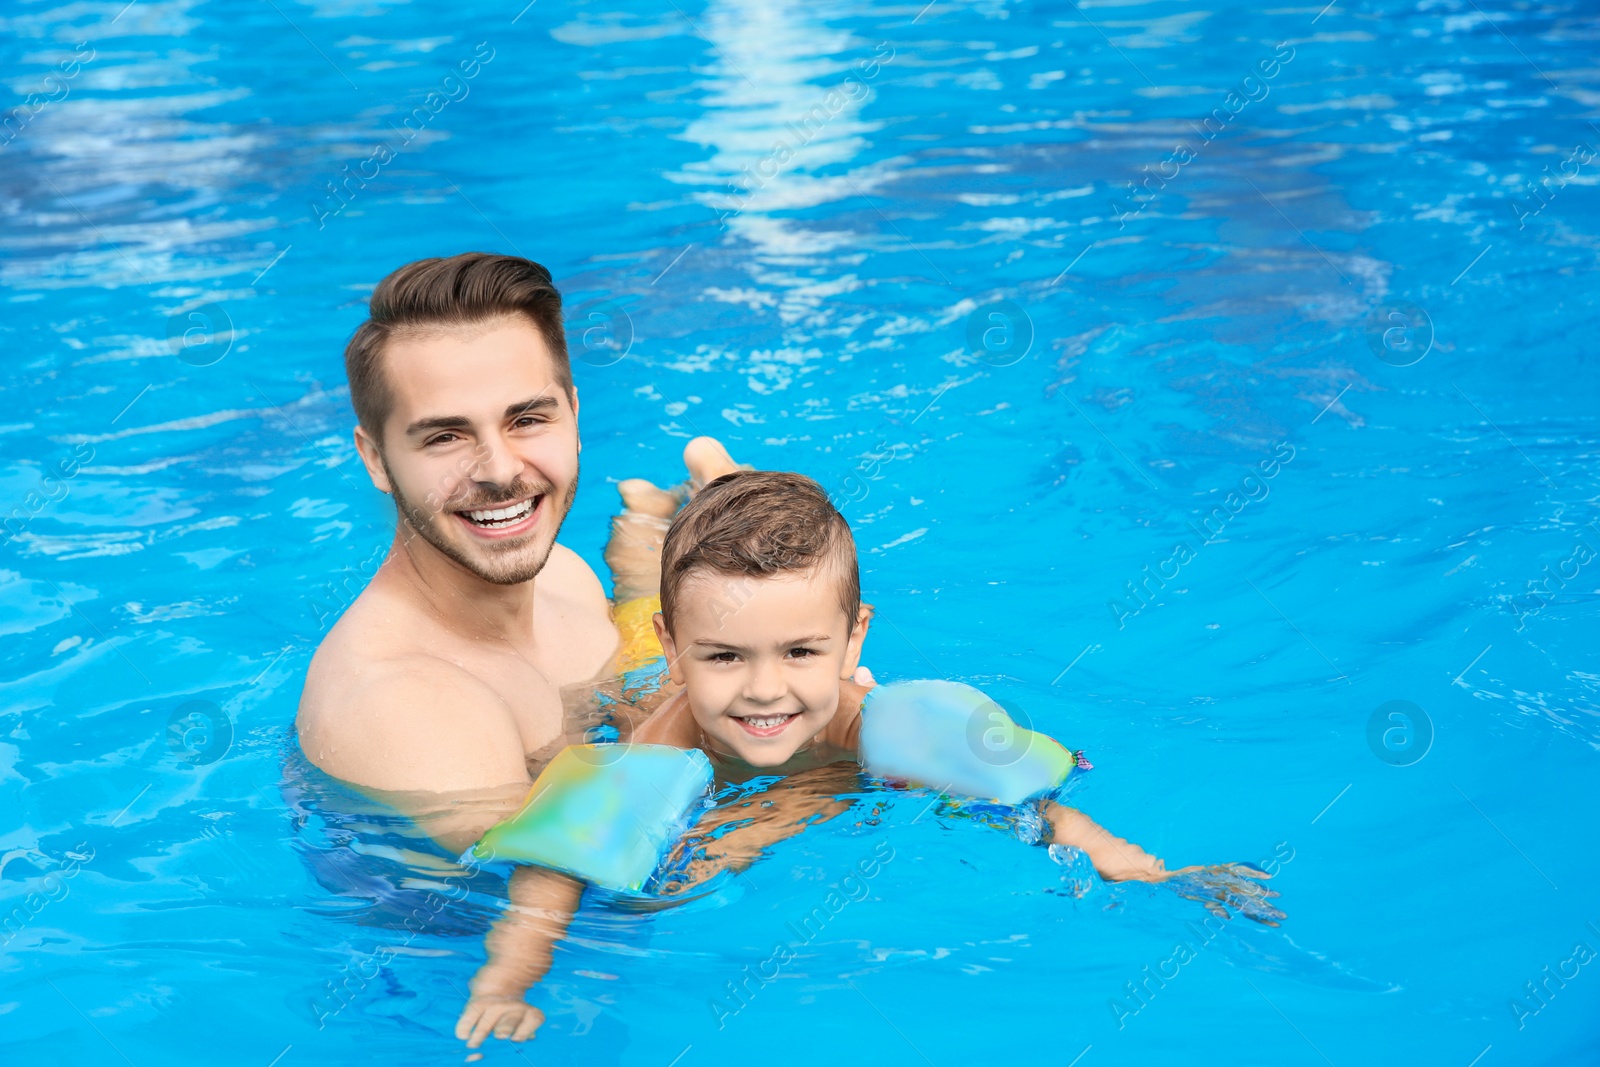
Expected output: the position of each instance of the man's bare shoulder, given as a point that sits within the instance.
(567, 578)
(380, 627)
(387, 706)
(387, 714)
(574, 618)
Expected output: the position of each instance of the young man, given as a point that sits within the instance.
(447, 672)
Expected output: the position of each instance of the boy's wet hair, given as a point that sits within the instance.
(760, 523)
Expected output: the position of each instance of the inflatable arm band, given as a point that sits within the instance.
(605, 814)
(953, 738)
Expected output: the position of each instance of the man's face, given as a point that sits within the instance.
(761, 659)
(480, 449)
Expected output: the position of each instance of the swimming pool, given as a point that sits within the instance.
(1043, 293)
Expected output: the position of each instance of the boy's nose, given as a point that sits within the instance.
(766, 685)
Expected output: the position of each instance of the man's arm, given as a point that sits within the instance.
(412, 729)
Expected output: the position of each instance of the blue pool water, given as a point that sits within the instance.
(1323, 386)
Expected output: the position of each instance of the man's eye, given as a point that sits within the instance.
(443, 439)
(530, 420)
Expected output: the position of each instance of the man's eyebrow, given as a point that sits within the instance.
(438, 422)
(542, 402)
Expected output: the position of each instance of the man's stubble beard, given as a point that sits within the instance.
(427, 527)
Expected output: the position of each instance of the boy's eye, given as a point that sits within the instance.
(723, 657)
(802, 653)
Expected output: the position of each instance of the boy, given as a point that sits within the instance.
(762, 624)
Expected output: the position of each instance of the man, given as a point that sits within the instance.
(447, 671)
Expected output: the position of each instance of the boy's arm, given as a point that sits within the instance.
(1116, 859)
(520, 948)
(671, 723)
(733, 835)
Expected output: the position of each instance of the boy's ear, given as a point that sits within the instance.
(858, 637)
(668, 646)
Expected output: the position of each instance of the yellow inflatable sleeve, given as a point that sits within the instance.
(639, 644)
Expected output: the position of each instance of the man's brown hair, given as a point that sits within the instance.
(760, 523)
(459, 290)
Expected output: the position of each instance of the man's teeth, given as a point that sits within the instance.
(767, 722)
(502, 516)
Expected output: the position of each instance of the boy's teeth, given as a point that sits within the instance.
(501, 516)
(766, 722)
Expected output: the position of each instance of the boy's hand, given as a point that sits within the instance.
(1221, 886)
(502, 1016)
(1218, 886)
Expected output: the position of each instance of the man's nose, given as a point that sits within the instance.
(497, 464)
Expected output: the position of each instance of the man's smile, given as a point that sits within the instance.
(506, 520)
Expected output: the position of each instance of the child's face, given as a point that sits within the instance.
(761, 659)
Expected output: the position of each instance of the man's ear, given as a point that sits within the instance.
(858, 637)
(668, 646)
(575, 417)
(372, 458)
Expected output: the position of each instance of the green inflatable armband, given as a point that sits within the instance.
(955, 739)
(605, 814)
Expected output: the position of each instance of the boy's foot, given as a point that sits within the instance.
(645, 498)
(707, 461)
